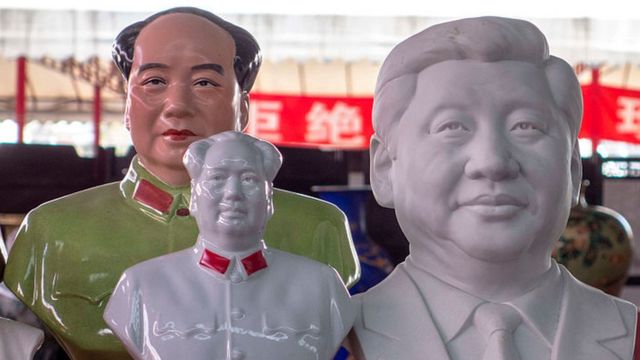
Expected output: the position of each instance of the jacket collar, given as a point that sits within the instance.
(152, 196)
(592, 326)
(230, 265)
(412, 332)
(440, 297)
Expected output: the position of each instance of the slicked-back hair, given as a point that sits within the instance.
(245, 64)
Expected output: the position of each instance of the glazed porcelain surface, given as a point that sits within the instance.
(475, 147)
(19, 341)
(70, 253)
(596, 246)
(229, 296)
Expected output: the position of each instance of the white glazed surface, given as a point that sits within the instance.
(475, 148)
(18, 341)
(173, 307)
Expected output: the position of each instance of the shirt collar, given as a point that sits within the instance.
(240, 265)
(542, 316)
(451, 308)
(152, 196)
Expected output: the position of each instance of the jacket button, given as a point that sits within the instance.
(237, 314)
(182, 212)
(235, 278)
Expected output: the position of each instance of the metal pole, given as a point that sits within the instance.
(595, 131)
(21, 108)
(97, 117)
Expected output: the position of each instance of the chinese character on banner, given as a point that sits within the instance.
(264, 120)
(629, 115)
(340, 125)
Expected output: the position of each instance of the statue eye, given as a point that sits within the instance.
(206, 83)
(154, 81)
(452, 126)
(249, 179)
(527, 127)
(215, 180)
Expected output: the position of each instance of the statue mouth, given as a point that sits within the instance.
(178, 135)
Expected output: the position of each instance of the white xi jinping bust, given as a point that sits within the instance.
(475, 148)
(230, 297)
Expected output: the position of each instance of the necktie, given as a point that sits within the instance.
(497, 323)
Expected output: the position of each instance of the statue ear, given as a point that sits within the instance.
(576, 174)
(193, 158)
(127, 118)
(381, 165)
(127, 107)
(243, 117)
(270, 207)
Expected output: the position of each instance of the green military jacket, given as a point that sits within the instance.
(70, 252)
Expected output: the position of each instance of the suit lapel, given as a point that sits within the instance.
(411, 333)
(590, 326)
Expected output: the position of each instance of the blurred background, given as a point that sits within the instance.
(61, 104)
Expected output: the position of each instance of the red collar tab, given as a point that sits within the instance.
(254, 262)
(152, 196)
(214, 261)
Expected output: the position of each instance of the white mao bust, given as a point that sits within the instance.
(229, 296)
(475, 147)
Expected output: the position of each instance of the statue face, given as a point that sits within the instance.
(182, 88)
(484, 161)
(232, 195)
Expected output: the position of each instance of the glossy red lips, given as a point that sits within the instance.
(178, 135)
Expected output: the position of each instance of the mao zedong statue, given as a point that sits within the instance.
(188, 74)
(230, 296)
(475, 147)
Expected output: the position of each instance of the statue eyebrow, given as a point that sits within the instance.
(210, 66)
(148, 66)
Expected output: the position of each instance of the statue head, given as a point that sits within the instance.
(475, 142)
(232, 187)
(188, 76)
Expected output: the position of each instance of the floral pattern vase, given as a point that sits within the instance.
(596, 246)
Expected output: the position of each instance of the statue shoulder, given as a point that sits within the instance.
(315, 229)
(304, 205)
(81, 202)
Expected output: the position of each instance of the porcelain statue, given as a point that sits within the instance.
(230, 296)
(188, 75)
(18, 341)
(475, 147)
(596, 246)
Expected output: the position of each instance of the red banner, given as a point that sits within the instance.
(301, 121)
(611, 114)
(345, 122)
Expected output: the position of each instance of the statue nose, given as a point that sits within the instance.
(232, 189)
(491, 158)
(178, 101)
